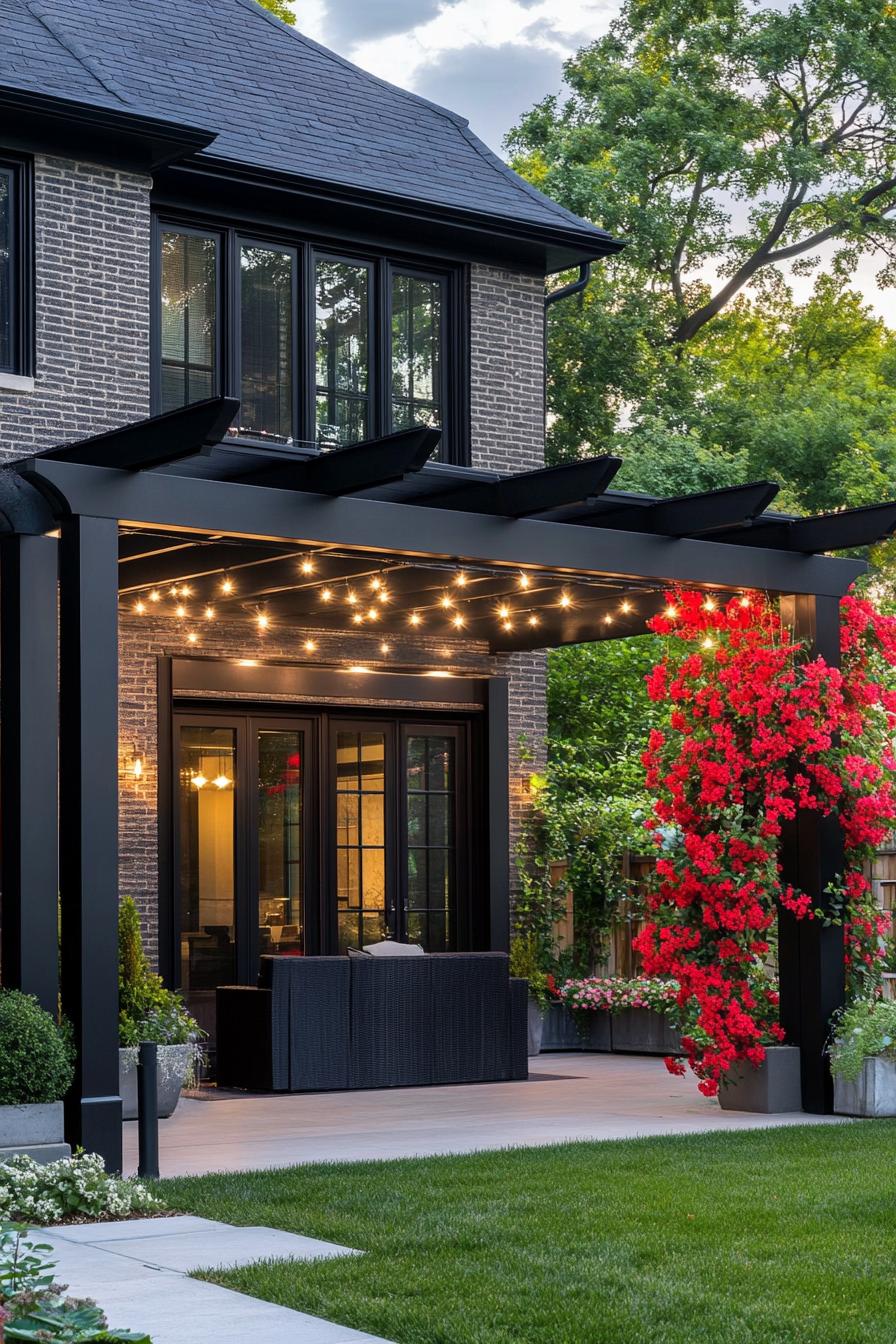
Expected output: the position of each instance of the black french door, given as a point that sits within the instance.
(309, 834)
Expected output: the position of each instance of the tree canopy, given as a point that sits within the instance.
(281, 8)
(726, 144)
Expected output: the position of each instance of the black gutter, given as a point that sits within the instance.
(554, 296)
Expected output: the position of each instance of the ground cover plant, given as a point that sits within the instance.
(783, 1236)
(75, 1189)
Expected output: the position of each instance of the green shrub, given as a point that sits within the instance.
(866, 1028)
(147, 1011)
(76, 1187)
(35, 1054)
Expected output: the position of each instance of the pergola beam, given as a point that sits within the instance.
(361, 466)
(223, 507)
(826, 532)
(532, 492)
(692, 515)
(154, 442)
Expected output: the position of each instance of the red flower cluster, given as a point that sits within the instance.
(758, 731)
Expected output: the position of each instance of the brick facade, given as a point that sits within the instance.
(92, 254)
(92, 326)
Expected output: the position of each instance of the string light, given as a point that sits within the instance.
(186, 590)
(626, 608)
(307, 566)
(221, 782)
(671, 612)
(745, 602)
(326, 594)
(460, 579)
(708, 643)
(376, 584)
(173, 591)
(227, 586)
(373, 613)
(263, 621)
(351, 597)
(199, 780)
(508, 625)
(139, 607)
(415, 618)
(446, 601)
(384, 595)
(385, 648)
(358, 618)
(709, 605)
(180, 610)
(503, 611)
(608, 620)
(533, 619)
(192, 637)
(155, 595)
(523, 580)
(565, 600)
(209, 613)
(309, 646)
(458, 621)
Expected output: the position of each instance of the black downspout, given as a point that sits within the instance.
(555, 295)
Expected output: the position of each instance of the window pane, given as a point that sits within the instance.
(206, 816)
(416, 351)
(431, 854)
(342, 351)
(266, 342)
(189, 304)
(360, 837)
(280, 848)
(7, 353)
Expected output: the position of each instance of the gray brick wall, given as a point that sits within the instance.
(507, 364)
(92, 251)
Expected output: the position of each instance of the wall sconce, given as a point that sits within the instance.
(135, 763)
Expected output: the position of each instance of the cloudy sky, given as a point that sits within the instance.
(489, 60)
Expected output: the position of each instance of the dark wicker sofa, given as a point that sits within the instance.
(321, 1024)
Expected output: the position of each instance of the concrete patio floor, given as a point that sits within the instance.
(567, 1096)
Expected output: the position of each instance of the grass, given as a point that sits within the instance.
(781, 1236)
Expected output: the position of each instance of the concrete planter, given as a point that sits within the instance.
(773, 1087)
(567, 1030)
(36, 1130)
(535, 1023)
(872, 1094)
(643, 1031)
(174, 1064)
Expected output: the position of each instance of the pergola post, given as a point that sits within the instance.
(810, 955)
(88, 820)
(29, 878)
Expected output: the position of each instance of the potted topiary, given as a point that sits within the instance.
(150, 1012)
(36, 1071)
(863, 1059)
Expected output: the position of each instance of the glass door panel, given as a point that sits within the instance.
(431, 891)
(281, 848)
(207, 860)
(360, 829)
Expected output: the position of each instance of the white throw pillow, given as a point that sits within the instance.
(388, 948)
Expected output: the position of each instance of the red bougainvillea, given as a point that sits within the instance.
(758, 730)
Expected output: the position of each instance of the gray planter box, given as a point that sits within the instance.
(773, 1087)
(174, 1062)
(567, 1030)
(535, 1028)
(36, 1130)
(872, 1094)
(643, 1031)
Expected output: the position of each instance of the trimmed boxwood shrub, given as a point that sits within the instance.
(35, 1054)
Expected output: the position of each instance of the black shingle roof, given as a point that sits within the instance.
(276, 99)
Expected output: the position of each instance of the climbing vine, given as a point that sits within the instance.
(757, 730)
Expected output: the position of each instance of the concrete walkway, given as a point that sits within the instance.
(567, 1096)
(137, 1271)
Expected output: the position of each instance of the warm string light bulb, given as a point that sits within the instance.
(139, 607)
(351, 597)
(565, 600)
(460, 579)
(608, 620)
(458, 621)
(533, 619)
(209, 613)
(709, 605)
(626, 608)
(307, 566)
(523, 580)
(744, 601)
(227, 586)
(671, 612)
(263, 621)
(507, 625)
(192, 637)
(446, 601)
(376, 584)
(358, 618)
(186, 590)
(180, 611)
(415, 618)
(326, 594)
(385, 648)
(309, 646)
(503, 611)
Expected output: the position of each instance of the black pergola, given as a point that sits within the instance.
(174, 500)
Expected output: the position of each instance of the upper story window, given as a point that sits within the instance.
(15, 268)
(318, 346)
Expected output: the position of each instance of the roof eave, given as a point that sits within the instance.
(543, 247)
(124, 137)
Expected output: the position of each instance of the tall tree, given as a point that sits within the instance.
(724, 143)
(282, 9)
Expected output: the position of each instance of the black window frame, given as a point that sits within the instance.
(20, 174)
(382, 264)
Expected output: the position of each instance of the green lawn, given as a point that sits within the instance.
(767, 1237)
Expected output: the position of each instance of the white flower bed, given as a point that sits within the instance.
(76, 1187)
